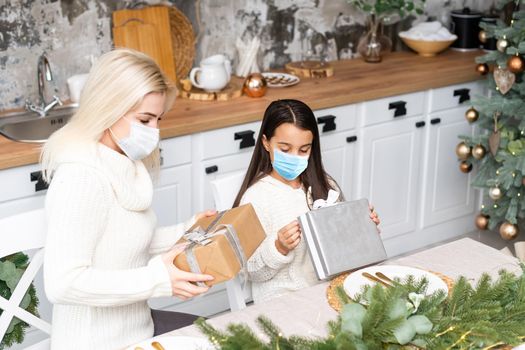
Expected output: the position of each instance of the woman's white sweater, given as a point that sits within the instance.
(273, 274)
(101, 256)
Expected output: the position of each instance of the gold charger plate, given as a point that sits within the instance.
(333, 299)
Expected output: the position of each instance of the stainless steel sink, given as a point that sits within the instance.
(30, 127)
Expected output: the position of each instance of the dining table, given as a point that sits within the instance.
(306, 312)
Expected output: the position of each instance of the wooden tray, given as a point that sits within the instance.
(310, 69)
(232, 90)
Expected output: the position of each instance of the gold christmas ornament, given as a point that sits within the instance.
(463, 151)
(482, 36)
(478, 152)
(504, 79)
(471, 115)
(255, 85)
(508, 231)
(495, 193)
(482, 68)
(515, 64)
(482, 222)
(465, 167)
(502, 44)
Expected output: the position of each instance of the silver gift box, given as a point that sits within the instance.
(341, 237)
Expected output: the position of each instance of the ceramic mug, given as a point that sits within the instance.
(213, 74)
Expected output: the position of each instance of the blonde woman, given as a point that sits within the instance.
(104, 257)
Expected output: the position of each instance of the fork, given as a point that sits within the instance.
(375, 279)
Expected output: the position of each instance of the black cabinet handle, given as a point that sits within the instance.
(328, 121)
(211, 169)
(351, 139)
(161, 157)
(435, 121)
(246, 137)
(420, 124)
(40, 183)
(399, 107)
(464, 94)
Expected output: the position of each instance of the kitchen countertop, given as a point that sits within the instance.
(353, 81)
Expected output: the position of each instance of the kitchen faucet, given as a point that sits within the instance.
(43, 74)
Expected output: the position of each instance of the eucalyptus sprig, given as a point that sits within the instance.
(385, 8)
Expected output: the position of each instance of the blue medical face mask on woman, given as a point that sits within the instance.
(140, 143)
(289, 166)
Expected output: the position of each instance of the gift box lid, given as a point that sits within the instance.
(341, 237)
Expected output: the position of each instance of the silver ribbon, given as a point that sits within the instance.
(200, 237)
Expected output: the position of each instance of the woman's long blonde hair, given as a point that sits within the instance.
(117, 83)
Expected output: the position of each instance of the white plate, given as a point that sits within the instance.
(176, 343)
(355, 281)
(280, 79)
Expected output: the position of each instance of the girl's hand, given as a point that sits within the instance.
(374, 216)
(288, 237)
(205, 214)
(180, 280)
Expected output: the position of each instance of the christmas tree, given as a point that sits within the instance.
(499, 148)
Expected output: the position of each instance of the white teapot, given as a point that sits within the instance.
(214, 73)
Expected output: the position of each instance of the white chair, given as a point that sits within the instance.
(224, 191)
(23, 232)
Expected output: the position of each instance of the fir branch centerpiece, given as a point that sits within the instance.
(490, 315)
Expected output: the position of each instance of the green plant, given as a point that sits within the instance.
(385, 8)
(12, 268)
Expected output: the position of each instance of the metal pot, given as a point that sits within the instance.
(465, 24)
(490, 44)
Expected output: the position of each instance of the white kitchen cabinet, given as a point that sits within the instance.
(212, 169)
(453, 96)
(389, 168)
(172, 200)
(21, 190)
(338, 144)
(447, 193)
(220, 153)
(339, 156)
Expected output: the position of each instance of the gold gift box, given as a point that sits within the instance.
(218, 257)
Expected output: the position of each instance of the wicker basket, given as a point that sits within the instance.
(183, 41)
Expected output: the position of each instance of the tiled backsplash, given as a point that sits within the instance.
(70, 32)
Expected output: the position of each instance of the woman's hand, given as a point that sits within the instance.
(374, 216)
(288, 237)
(180, 280)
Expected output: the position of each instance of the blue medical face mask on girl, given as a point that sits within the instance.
(289, 166)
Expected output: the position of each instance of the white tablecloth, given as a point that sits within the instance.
(306, 312)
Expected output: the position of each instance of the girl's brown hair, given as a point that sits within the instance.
(300, 115)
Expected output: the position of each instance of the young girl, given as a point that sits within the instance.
(285, 176)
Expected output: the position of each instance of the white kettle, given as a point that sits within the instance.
(213, 74)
